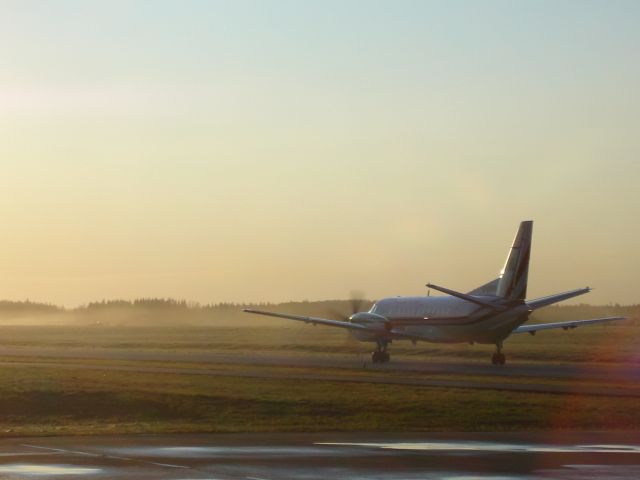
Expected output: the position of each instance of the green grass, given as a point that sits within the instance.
(47, 401)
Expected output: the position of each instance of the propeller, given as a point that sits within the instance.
(356, 302)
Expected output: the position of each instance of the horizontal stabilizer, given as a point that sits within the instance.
(558, 297)
(464, 296)
(532, 329)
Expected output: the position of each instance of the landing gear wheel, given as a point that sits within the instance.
(380, 357)
(498, 358)
(380, 354)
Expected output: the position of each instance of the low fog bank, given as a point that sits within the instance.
(164, 312)
(169, 312)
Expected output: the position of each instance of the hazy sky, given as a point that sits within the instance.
(276, 150)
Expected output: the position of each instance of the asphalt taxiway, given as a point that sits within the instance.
(325, 456)
(617, 380)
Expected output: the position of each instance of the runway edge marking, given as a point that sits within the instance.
(100, 455)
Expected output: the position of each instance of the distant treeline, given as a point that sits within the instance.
(168, 311)
(162, 311)
(8, 307)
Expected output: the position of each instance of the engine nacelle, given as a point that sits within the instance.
(372, 321)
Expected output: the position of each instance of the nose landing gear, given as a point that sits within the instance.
(498, 358)
(381, 355)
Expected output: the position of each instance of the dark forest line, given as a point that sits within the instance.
(167, 311)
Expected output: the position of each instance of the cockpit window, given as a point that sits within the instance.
(380, 308)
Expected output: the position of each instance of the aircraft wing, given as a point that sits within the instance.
(335, 323)
(532, 329)
(312, 320)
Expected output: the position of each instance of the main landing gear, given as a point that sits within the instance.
(498, 358)
(381, 355)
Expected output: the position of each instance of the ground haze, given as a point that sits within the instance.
(94, 377)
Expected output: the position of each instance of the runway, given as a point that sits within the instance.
(349, 368)
(325, 456)
(351, 361)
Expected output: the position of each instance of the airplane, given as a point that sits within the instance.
(485, 315)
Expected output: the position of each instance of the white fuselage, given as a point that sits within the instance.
(487, 314)
(447, 319)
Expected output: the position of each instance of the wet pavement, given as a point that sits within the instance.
(326, 456)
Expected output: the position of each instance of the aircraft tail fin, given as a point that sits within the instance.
(488, 288)
(512, 284)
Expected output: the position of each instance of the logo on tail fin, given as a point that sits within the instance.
(513, 277)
